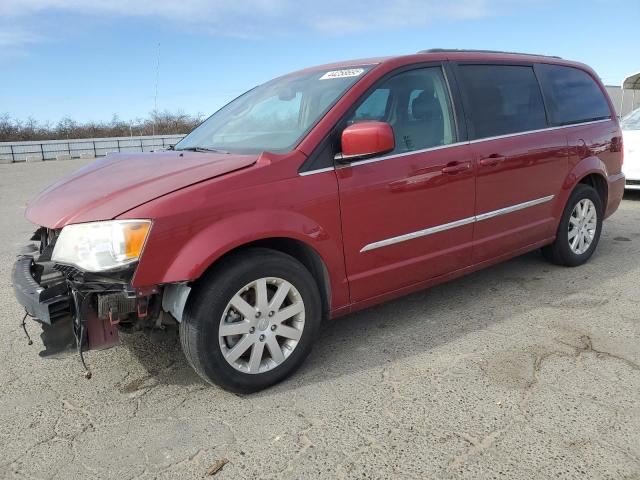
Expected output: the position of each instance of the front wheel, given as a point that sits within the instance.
(251, 322)
(579, 230)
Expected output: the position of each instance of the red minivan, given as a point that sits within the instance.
(320, 193)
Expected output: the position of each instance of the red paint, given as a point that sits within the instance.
(196, 225)
(204, 205)
(367, 138)
(393, 197)
(119, 182)
(530, 166)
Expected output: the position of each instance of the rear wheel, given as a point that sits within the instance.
(251, 322)
(579, 230)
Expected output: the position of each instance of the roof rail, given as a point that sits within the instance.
(464, 50)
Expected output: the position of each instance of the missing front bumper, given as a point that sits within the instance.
(46, 302)
(80, 310)
(44, 294)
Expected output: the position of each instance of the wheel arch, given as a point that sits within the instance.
(181, 255)
(589, 171)
(599, 183)
(295, 248)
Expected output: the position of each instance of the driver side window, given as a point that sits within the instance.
(416, 104)
(374, 107)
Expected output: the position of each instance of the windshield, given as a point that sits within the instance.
(631, 121)
(274, 116)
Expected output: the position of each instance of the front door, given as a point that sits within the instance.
(408, 216)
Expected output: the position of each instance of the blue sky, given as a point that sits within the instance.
(91, 59)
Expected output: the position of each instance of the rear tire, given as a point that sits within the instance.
(579, 229)
(251, 321)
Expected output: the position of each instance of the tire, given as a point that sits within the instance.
(563, 250)
(245, 275)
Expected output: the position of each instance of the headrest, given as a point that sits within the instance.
(424, 104)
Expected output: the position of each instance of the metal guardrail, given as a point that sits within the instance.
(82, 148)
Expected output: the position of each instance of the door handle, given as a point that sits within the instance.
(455, 167)
(492, 160)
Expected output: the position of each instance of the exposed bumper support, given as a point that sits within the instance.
(45, 304)
(48, 302)
(76, 308)
(47, 297)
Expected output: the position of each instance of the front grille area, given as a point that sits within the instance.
(68, 270)
(60, 308)
(633, 182)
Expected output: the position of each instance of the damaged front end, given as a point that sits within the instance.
(78, 309)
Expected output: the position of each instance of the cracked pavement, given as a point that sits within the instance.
(524, 370)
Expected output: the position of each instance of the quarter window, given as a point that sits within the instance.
(572, 95)
(416, 104)
(502, 99)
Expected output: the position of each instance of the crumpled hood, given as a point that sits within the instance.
(119, 182)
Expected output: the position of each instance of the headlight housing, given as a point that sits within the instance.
(100, 246)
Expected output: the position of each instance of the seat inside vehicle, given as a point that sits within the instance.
(420, 119)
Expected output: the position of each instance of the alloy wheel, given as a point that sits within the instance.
(583, 223)
(261, 325)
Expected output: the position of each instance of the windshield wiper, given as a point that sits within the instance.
(202, 149)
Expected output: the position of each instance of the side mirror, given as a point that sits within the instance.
(366, 139)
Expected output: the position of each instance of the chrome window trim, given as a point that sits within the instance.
(451, 145)
(528, 132)
(403, 154)
(458, 223)
(320, 170)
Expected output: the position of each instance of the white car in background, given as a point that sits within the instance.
(631, 138)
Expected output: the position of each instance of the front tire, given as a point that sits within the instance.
(251, 321)
(579, 229)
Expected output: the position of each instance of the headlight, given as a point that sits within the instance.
(99, 246)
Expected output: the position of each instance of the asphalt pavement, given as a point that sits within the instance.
(524, 370)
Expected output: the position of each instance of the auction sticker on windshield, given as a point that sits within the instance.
(350, 72)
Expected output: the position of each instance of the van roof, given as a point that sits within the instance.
(462, 50)
(436, 54)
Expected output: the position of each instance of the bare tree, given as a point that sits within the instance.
(164, 123)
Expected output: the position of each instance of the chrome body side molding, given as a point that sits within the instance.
(458, 223)
(419, 233)
(513, 208)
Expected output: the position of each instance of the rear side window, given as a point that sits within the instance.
(502, 99)
(572, 95)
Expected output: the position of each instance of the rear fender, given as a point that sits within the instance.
(586, 166)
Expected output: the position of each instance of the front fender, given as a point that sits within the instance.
(194, 227)
(211, 243)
